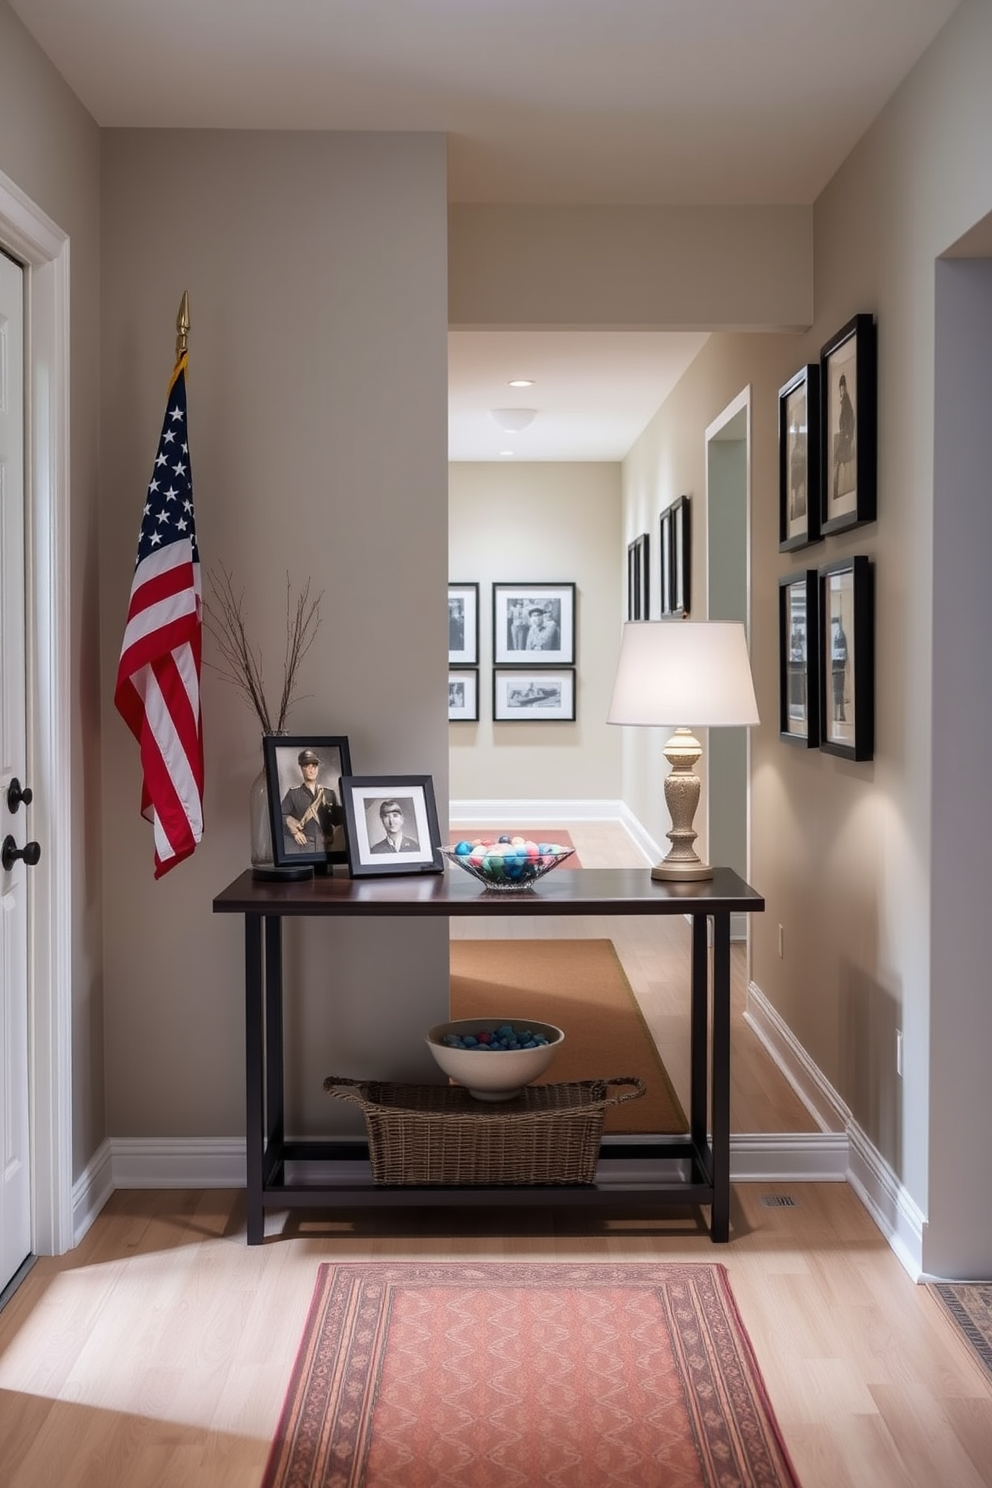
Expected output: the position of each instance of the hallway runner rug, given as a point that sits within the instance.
(580, 987)
(492, 1375)
(969, 1307)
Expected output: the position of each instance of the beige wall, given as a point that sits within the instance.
(50, 149)
(316, 270)
(556, 523)
(687, 268)
(842, 852)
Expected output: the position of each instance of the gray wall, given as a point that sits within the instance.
(316, 270)
(50, 149)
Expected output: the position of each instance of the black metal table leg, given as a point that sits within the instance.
(720, 1223)
(698, 1024)
(254, 1078)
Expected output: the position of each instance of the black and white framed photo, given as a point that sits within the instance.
(799, 656)
(463, 695)
(847, 658)
(303, 774)
(463, 624)
(638, 579)
(391, 824)
(534, 624)
(534, 697)
(799, 460)
(676, 558)
(665, 555)
(848, 403)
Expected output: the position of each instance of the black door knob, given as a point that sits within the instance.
(15, 795)
(10, 852)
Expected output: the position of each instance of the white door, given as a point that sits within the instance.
(15, 1181)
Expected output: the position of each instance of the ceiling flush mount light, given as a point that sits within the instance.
(513, 419)
(520, 382)
(697, 671)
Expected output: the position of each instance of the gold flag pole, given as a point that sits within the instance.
(182, 327)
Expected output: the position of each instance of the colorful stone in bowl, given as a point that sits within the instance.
(488, 1069)
(511, 863)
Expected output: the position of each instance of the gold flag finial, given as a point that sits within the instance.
(182, 327)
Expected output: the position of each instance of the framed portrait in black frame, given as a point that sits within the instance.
(848, 414)
(463, 695)
(676, 558)
(638, 579)
(303, 775)
(534, 624)
(847, 659)
(799, 460)
(545, 696)
(463, 624)
(799, 657)
(392, 825)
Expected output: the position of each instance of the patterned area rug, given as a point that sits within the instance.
(412, 1375)
(969, 1307)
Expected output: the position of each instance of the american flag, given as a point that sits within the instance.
(158, 676)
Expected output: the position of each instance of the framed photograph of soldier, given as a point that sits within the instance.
(676, 558)
(847, 658)
(391, 825)
(463, 624)
(547, 696)
(534, 624)
(799, 658)
(463, 696)
(799, 460)
(638, 579)
(848, 397)
(303, 775)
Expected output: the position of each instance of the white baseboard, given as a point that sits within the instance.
(873, 1179)
(91, 1191)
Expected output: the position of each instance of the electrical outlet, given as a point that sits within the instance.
(781, 941)
(899, 1052)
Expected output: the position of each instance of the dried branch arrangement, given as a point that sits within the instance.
(224, 618)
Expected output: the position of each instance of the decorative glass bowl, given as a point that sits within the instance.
(509, 865)
(488, 1071)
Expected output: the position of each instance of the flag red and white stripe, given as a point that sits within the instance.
(158, 676)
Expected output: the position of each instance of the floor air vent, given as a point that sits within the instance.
(779, 1201)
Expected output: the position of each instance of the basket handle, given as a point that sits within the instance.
(618, 1100)
(344, 1089)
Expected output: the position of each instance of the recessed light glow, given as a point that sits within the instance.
(520, 382)
(506, 454)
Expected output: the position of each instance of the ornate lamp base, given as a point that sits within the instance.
(682, 864)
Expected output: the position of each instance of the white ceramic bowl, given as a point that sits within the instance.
(493, 1074)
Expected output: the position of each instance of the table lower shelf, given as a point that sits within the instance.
(654, 1175)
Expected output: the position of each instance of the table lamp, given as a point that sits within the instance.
(690, 673)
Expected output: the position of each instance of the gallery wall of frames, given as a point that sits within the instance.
(827, 422)
(533, 652)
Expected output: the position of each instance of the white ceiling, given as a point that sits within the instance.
(558, 101)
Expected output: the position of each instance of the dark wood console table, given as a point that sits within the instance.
(704, 1151)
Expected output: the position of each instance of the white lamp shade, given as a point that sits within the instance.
(683, 673)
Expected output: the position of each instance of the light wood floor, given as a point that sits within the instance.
(157, 1354)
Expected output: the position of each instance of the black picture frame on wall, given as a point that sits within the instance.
(847, 658)
(676, 557)
(799, 658)
(638, 579)
(463, 695)
(848, 423)
(546, 696)
(799, 460)
(463, 624)
(533, 624)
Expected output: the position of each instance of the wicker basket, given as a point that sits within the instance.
(439, 1134)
